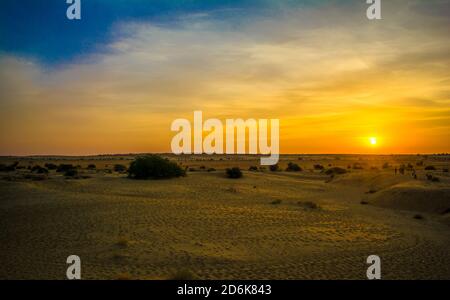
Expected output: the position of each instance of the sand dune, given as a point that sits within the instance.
(257, 227)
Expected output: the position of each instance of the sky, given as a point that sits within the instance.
(114, 81)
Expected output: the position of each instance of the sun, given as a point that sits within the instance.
(373, 141)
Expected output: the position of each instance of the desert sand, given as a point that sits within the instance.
(266, 225)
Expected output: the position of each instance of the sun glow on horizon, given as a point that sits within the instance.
(373, 141)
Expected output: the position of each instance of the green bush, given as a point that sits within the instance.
(71, 173)
(234, 173)
(64, 168)
(293, 167)
(274, 168)
(119, 168)
(39, 170)
(154, 167)
(50, 166)
(335, 170)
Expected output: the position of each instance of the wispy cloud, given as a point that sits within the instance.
(328, 73)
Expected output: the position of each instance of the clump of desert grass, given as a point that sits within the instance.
(39, 170)
(276, 202)
(154, 167)
(308, 205)
(253, 168)
(318, 167)
(51, 166)
(234, 173)
(211, 170)
(122, 243)
(120, 168)
(432, 178)
(8, 168)
(430, 168)
(371, 191)
(62, 168)
(91, 167)
(71, 173)
(293, 167)
(35, 177)
(274, 168)
(335, 171)
(364, 202)
(418, 217)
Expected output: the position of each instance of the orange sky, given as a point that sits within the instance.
(333, 78)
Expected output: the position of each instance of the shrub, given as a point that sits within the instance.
(64, 167)
(202, 167)
(430, 168)
(50, 166)
(71, 173)
(91, 167)
(445, 170)
(234, 173)
(431, 178)
(39, 170)
(253, 168)
(318, 167)
(10, 168)
(385, 165)
(308, 204)
(418, 217)
(364, 202)
(119, 168)
(335, 170)
(275, 202)
(274, 168)
(293, 167)
(211, 170)
(154, 167)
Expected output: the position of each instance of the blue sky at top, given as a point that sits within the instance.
(40, 29)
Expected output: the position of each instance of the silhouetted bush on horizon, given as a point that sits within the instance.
(335, 170)
(62, 168)
(293, 168)
(51, 166)
(154, 167)
(234, 173)
(274, 168)
(38, 169)
(119, 168)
